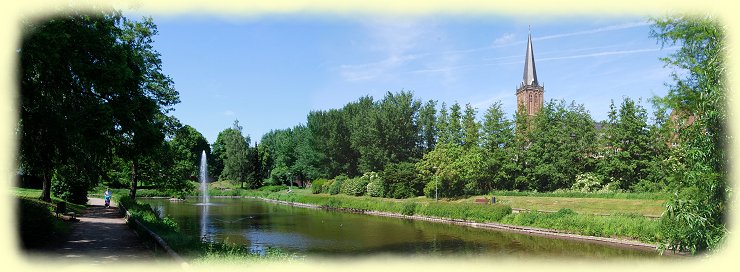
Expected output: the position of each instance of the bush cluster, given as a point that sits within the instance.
(326, 186)
(336, 186)
(375, 188)
(402, 180)
(355, 186)
(317, 185)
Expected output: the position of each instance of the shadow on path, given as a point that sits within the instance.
(101, 236)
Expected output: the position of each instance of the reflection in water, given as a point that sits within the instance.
(259, 225)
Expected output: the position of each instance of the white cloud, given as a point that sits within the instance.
(367, 71)
(505, 39)
(594, 31)
(396, 39)
(229, 113)
(606, 53)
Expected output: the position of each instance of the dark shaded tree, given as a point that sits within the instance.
(91, 85)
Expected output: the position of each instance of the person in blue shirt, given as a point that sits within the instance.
(107, 196)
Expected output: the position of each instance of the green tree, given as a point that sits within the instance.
(235, 156)
(428, 126)
(627, 145)
(497, 139)
(695, 218)
(365, 136)
(401, 180)
(559, 145)
(90, 85)
(471, 128)
(190, 144)
(455, 128)
(443, 124)
(398, 115)
(308, 161)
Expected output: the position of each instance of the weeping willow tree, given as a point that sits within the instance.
(695, 217)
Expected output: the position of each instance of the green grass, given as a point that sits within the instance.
(598, 206)
(573, 194)
(34, 195)
(37, 223)
(615, 226)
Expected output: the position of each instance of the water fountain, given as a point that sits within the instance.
(204, 196)
(204, 178)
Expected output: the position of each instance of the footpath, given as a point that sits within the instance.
(101, 237)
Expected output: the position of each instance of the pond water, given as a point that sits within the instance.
(315, 232)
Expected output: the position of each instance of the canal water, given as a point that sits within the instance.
(260, 225)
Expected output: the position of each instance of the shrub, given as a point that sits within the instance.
(408, 208)
(341, 178)
(317, 184)
(429, 189)
(588, 182)
(375, 188)
(326, 186)
(401, 180)
(72, 184)
(336, 186)
(354, 187)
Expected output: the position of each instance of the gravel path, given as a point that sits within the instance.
(101, 236)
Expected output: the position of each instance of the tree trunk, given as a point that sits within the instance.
(134, 181)
(46, 187)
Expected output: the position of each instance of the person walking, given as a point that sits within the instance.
(107, 196)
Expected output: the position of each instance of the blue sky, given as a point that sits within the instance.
(270, 71)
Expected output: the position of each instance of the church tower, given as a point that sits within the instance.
(530, 94)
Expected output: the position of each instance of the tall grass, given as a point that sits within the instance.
(616, 226)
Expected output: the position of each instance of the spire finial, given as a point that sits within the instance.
(530, 29)
(530, 72)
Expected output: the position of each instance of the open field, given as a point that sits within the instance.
(582, 205)
(598, 206)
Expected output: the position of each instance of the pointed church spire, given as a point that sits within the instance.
(530, 72)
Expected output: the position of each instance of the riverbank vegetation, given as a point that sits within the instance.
(79, 129)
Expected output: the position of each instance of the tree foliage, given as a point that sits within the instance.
(558, 146)
(91, 85)
(627, 145)
(695, 217)
(233, 152)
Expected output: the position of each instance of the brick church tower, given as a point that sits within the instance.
(530, 94)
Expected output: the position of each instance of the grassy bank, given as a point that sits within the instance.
(620, 225)
(573, 194)
(597, 206)
(37, 224)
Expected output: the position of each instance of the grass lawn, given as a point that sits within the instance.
(35, 194)
(581, 205)
(645, 207)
